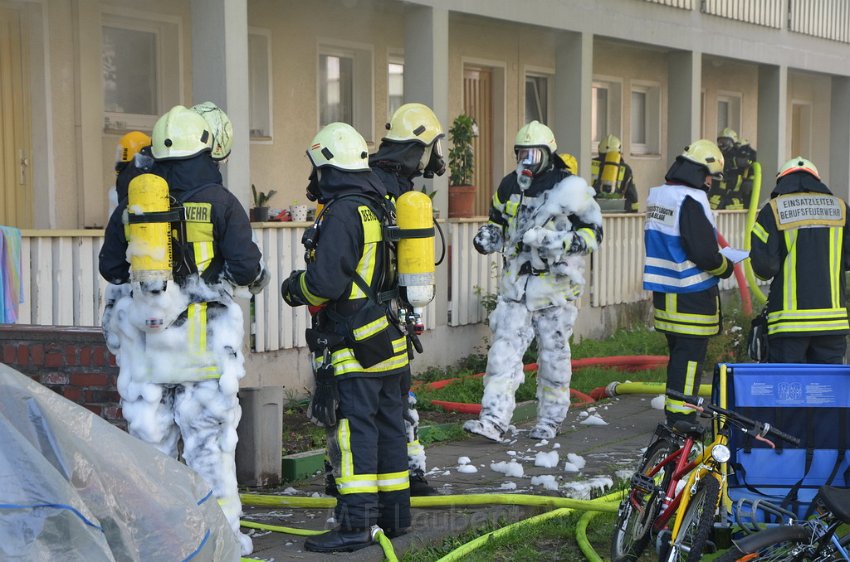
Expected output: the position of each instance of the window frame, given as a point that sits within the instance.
(546, 105)
(734, 114)
(363, 80)
(652, 119)
(269, 137)
(167, 31)
(614, 110)
(394, 59)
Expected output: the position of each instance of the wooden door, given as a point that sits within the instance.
(15, 150)
(478, 103)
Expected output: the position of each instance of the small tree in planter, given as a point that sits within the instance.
(461, 167)
(260, 211)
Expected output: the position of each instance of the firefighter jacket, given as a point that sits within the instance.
(215, 240)
(800, 240)
(348, 242)
(558, 201)
(683, 262)
(624, 188)
(734, 191)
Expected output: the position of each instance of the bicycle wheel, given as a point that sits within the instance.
(634, 522)
(784, 543)
(697, 521)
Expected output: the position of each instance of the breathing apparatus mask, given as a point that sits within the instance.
(530, 162)
(313, 185)
(725, 144)
(432, 162)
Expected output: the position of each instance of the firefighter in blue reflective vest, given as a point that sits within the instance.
(683, 267)
(801, 241)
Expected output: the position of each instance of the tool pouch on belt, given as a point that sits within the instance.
(371, 334)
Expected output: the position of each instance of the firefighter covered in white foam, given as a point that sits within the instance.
(543, 220)
(183, 243)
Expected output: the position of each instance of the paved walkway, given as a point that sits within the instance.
(609, 451)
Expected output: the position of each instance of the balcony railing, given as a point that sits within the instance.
(62, 285)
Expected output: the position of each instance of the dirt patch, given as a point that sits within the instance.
(433, 417)
(299, 433)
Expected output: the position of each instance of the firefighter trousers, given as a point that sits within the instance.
(368, 453)
(687, 356)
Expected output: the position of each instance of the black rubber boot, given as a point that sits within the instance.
(419, 485)
(339, 541)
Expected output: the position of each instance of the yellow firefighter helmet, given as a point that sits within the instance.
(705, 153)
(610, 144)
(339, 146)
(414, 122)
(798, 164)
(180, 133)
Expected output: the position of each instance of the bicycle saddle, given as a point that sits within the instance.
(836, 500)
(691, 429)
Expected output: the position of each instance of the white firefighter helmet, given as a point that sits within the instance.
(610, 143)
(536, 135)
(220, 127)
(798, 164)
(180, 133)
(414, 122)
(728, 133)
(340, 146)
(705, 153)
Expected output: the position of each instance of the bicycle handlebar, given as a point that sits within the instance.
(756, 427)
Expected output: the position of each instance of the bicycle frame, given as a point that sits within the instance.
(694, 470)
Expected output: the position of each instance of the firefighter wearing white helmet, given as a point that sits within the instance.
(611, 176)
(683, 267)
(183, 243)
(412, 148)
(544, 221)
(220, 127)
(360, 354)
(800, 241)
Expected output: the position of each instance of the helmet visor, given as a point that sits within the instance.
(531, 159)
(725, 144)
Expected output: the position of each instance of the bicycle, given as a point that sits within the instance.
(677, 478)
(812, 540)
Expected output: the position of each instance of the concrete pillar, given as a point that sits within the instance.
(684, 71)
(772, 123)
(220, 75)
(839, 138)
(260, 432)
(573, 89)
(426, 80)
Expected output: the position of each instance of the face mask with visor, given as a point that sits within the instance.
(432, 163)
(530, 162)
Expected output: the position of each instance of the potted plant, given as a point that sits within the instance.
(461, 167)
(260, 211)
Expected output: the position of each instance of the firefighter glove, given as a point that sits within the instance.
(325, 399)
(258, 284)
(488, 239)
(287, 288)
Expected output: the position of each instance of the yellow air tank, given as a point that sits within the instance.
(149, 242)
(610, 172)
(416, 248)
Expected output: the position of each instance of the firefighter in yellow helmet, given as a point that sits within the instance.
(734, 190)
(544, 221)
(683, 267)
(183, 243)
(801, 242)
(132, 158)
(611, 177)
(360, 352)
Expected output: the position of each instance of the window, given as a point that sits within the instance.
(644, 117)
(729, 112)
(605, 111)
(345, 87)
(138, 79)
(536, 99)
(395, 87)
(259, 84)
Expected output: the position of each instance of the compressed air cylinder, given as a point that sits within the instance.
(416, 253)
(149, 242)
(610, 171)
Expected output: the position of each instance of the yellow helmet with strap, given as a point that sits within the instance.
(798, 164)
(414, 122)
(706, 153)
(129, 145)
(536, 134)
(609, 144)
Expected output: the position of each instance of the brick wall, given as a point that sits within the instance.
(71, 361)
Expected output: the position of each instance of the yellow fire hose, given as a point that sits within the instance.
(581, 536)
(758, 294)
